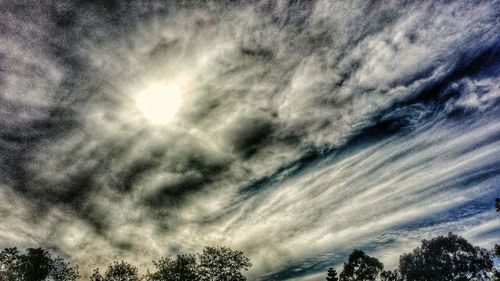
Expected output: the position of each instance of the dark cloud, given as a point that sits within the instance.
(247, 135)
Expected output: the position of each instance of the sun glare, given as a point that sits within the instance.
(160, 102)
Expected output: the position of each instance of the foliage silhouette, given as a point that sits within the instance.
(215, 264)
(36, 265)
(222, 264)
(331, 275)
(391, 275)
(361, 267)
(10, 265)
(117, 271)
(183, 268)
(62, 271)
(443, 258)
(446, 258)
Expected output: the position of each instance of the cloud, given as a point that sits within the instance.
(306, 129)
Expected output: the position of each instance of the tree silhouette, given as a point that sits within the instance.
(62, 271)
(222, 264)
(446, 259)
(391, 275)
(216, 264)
(497, 254)
(117, 271)
(183, 268)
(10, 265)
(36, 265)
(361, 267)
(331, 275)
(96, 276)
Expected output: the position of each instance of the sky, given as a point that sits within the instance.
(295, 131)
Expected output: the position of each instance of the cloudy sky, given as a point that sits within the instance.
(292, 130)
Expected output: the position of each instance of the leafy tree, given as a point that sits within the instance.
(10, 264)
(96, 275)
(183, 268)
(361, 267)
(222, 264)
(391, 275)
(62, 271)
(36, 264)
(497, 254)
(117, 271)
(446, 259)
(331, 275)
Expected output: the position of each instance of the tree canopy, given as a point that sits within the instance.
(183, 267)
(35, 265)
(391, 275)
(215, 264)
(361, 267)
(443, 258)
(446, 258)
(117, 271)
(222, 264)
(331, 275)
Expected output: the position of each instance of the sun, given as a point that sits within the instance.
(159, 103)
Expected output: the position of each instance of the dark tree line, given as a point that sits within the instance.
(444, 258)
(35, 265)
(212, 264)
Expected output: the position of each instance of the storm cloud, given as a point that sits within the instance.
(307, 129)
